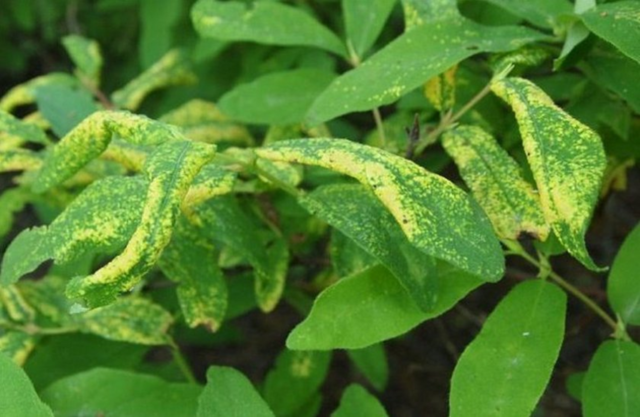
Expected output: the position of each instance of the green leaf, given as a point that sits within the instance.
(496, 182)
(85, 54)
(567, 160)
(103, 217)
(277, 98)
(617, 23)
(12, 128)
(612, 383)
(623, 288)
(57, 357)
(64, 107)
(347, 257)
(17, 396)
(294, 380)
(356, 402)
(129, 319)
(174, 68)
(372, 362)
(419, 12)
(505, 370)
(436, 216)
(229, 393)
(264, 22)
(157, 29)
(12, 202)
(363, 23)
(15, 305)
(23, 94)
(542, 13)
(356, 212)
(17, 345)
(410, 60)
(202, 291)
(372, 306)
(441, 90)
(120, 393)
(202, 121)
(170, 170)
(574, 384)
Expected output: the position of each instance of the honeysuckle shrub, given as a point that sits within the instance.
(369, 163)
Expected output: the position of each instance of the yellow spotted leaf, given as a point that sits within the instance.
(14, 129)
(17, 345)
(567, 160)
(441, 90)
(436, 216)
(19, 160)
(15, 305)
(24, 94)
(495, 179)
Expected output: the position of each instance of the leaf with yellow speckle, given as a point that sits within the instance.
(170, 171)
(495, 179)
(47, 298)
(129, 319)
(281, 171)
(223, 220)
(202, 121)
(17, 345)
(12, 201)
(92, 137)
(436, 216)
(210, 182)
(85, 54)
(24, 94)
(19, 160)
(567, 160)
(357, 213)
(190, 260)
(12, 128)
(441, 90)
(419, 12)
(410, 60)
(15, 305)
(174, 68)
(294, 380)
(264, 22)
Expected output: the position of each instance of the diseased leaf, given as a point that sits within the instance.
(229, 393)
(276, 98)
(372, 362)
(294, 380)
(505, 370)
(114, 392)
(202, 121)
(170, 170)
(265, 22)
(129, 319)
(347, 257)
(495, 179)
(613, 380)
(15, 305)
(419, 12)
(410, 60)
(567, 160)
(24, 94)
(202, 291)
(12, 202)
(173, 68)
(17, 396)
(17, 345)
(542, 13)
(441, 90)
(210, 182)
(363, 23)
(12, 128)
(617, 23)
(85, 54)
(436, 216)
(64, 107)
(372, 306)
(356, 402)
(623, 286)
(356, 212)
(19, 160)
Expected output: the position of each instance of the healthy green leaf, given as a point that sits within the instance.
(363, 23)
(356, 212)
(85, 54)
(112, 392)
(17, 396)
(505, 370)
(172, 69)
(157, 29)
(612, 383)
(567, 160)
(12, 128)
(372, 362)
(356, 402)
(372, 306)
(419, 12)
(277, 98)
(266, 22)
(294, 380)
(617, 23)
(436, 216)
(541, 13)
(202, 291)
(497, 184)
(623, 286)
(229, 393)
(170, 170)
(129, 319)
(64, 107)
(410, 60)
